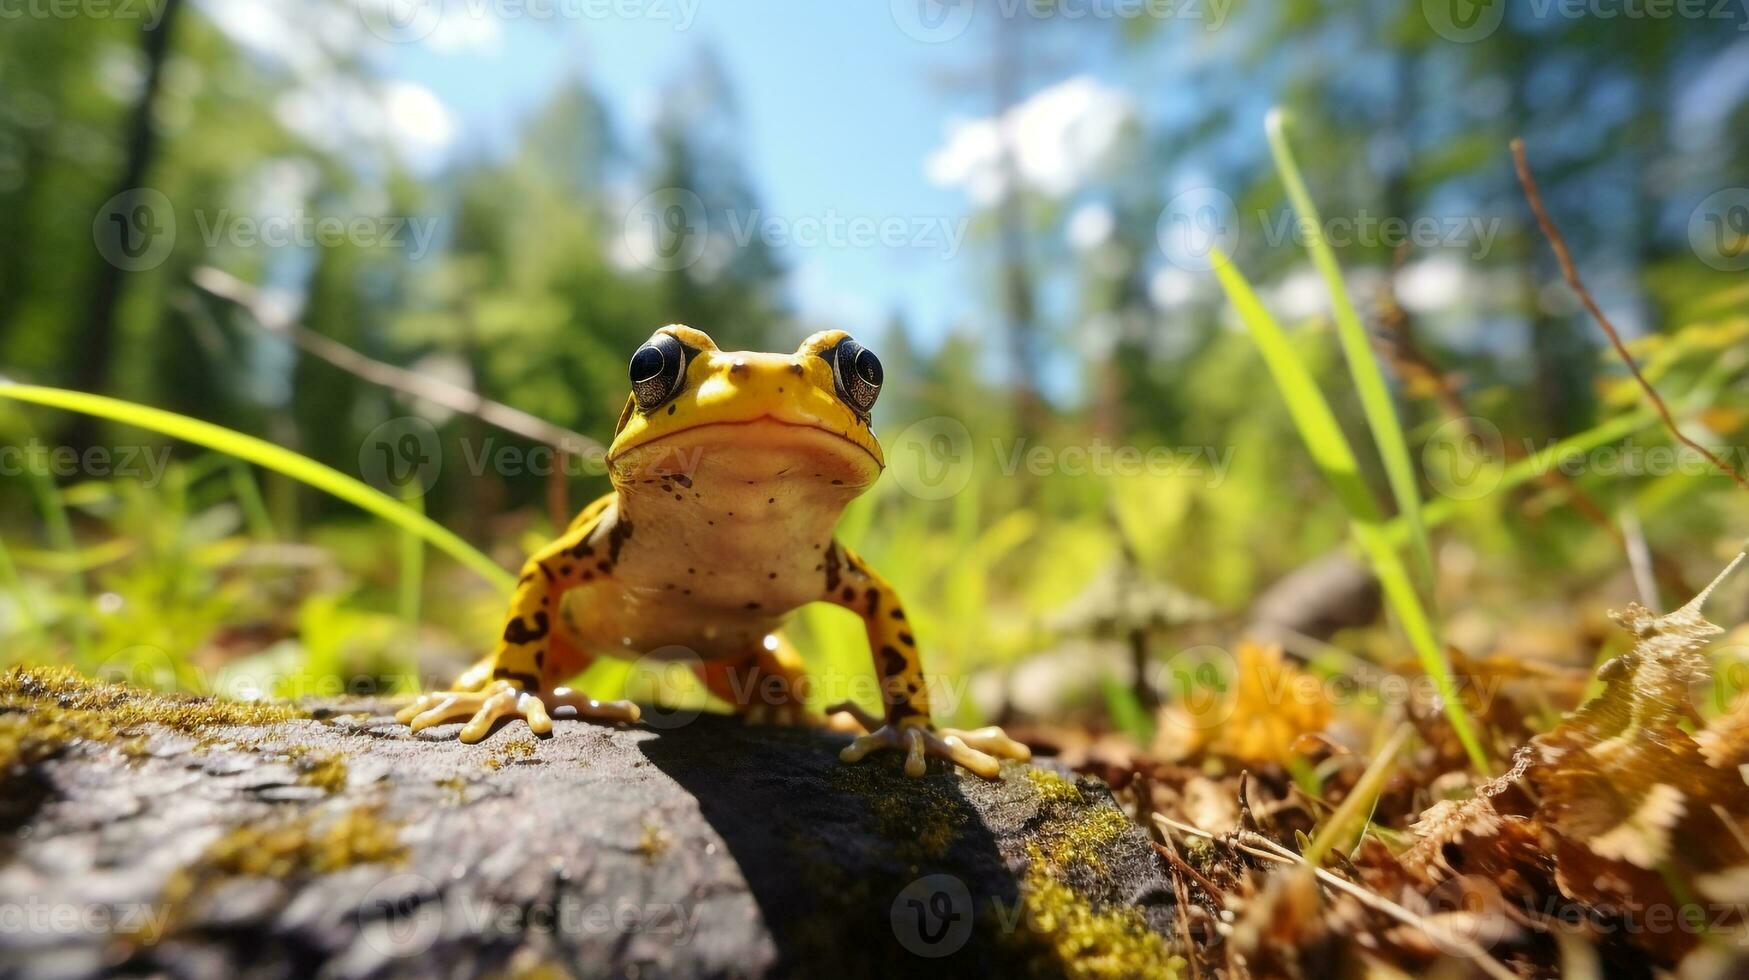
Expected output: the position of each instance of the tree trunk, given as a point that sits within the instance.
(96, 346)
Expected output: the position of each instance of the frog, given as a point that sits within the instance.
(729, 471)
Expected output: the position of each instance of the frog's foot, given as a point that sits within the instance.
(979, 750)
(501, 699)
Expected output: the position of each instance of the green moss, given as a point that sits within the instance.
(456, 786)
(43, 710)
(537, 970)
(514, 750)
(293, 848)
(305, 845)
(1050, 929)
(1054, 790)
(1059, 931)
(1073, 830)
(924, 818)
(326, 771)
(1062, 934)
(817, 937)
(652, 842)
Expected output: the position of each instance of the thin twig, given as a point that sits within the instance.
(1260, 846)
(1179, 893)
(1571, 274)
(453, 397)
(1640, 558)
(1183, 866)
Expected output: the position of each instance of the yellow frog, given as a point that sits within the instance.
(729, 471)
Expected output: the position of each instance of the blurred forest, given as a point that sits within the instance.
(1036, 585)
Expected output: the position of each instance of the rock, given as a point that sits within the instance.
(1325, 595)
(341, 845)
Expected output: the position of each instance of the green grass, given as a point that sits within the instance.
(1363, 367)
(1343, 830)
(270, 456)
(1334, 458)
(59, 529)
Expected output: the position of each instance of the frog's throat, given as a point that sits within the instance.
(619, 452)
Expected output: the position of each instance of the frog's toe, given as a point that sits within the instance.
(440, 709)
(484, 708)
(588, 707)
(920, 741)
(492, 707)
(990, 740)
(504, 701)
(848, 716)
(417, 706)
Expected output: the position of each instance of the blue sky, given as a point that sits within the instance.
(847, 111)
(842, 110)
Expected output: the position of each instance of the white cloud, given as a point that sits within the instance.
(1060, 138)
(1171, 287)
(1300, 294)
(1090, 226)
(340, 114)
(1435, 284)
(466, 28)
(418, 123)
(336, 109)
(299, 36)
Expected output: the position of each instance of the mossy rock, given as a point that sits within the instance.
(202, 840)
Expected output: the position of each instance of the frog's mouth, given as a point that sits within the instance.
(765, 447)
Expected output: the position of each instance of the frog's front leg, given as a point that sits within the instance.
(904, 689)
(531, 655)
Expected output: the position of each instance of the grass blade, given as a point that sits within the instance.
(1342, 831)
(9, 577)
(59, 530)
(1530, 467)
(1126, 711)
(1363, 366)
(276, 458)
(1335, 458)
(412, 562)
(248, 495)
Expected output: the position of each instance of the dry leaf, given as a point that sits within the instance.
(1270, 705)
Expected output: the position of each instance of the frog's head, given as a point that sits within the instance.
(742, 417)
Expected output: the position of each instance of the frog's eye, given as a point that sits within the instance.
(858, 374)
(657, 370)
